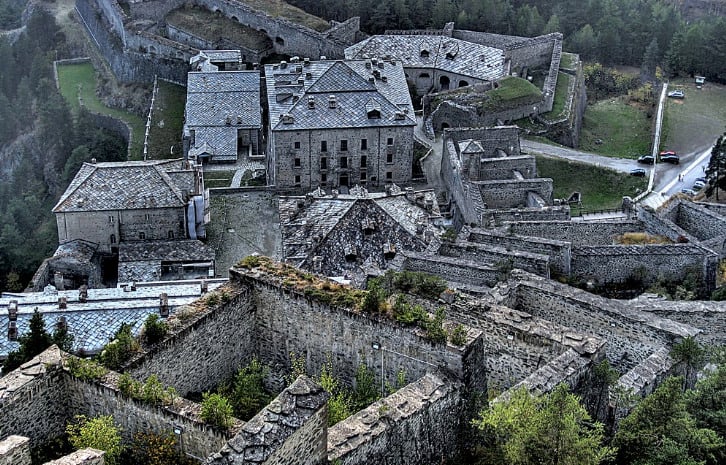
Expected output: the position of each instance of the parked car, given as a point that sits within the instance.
(646, 159)
(690, 192)
(676, 94)
(640, 172)
(698, 185)
(670, 158)
(702, 179)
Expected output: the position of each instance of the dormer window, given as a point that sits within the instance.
(425, 53)
(374, 114)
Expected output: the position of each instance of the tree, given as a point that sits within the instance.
(98, 433)
(216, 410)
(31, 344)
(120, 349)
(650, 59)
(660, 431)
(155, 329)
(690, 356)
(551, 429)
(62, 338)
(155, 449)
(717, 162)
(707, 404)
(248, 395)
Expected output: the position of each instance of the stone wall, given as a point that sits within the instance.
(418, 424)
(646, 263)
(15, 450)
(502, 168)
(498, 257)
(559, 252)
(81, 457)
(33, 399)
(449, 114)
(577, 233)
(570, 367)
(661, 225)
(453, 270)
(291, 430)
(514, 193)
(708, 316)
(208, 349)
(118, 126)
(494, 217)
(535, 51)
(700, 222)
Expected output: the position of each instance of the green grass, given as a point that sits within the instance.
(218, 178)
(512, 92)
(567, 61)
(558, 105)
(214, 27)
(80, 79)
(167, 121)
(601, 188)
(625, 130)
(279, 8)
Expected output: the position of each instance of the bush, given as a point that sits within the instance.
(719, 294)
(155, 449)
(434, 327)
(457, 336)
(247, 393)
(99, 433)
(155, 329)
(216, 410)
(152, 391)
(85, 369)
(120, 350)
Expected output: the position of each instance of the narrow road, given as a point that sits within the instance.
(557, 151)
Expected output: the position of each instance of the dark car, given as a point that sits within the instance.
(640, 172)
(646, 159)
(670, 158)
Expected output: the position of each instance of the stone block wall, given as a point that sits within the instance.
(418, 424)
(534, 51)
(498, 257)
(491, 138)
(502, 168)
(208, 349)
(577, 233)
(570, 367)
(453, 270)
(15, 450)
(559, 252)
(708, 316)
(493, 217)
(81, 457)
(700, 222)
(514, 193)
(291, 430)
(661, 225)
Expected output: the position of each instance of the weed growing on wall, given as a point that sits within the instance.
(216, 410)
(155, 329)
(99, 433)
(120, 350)
(152, 391)
(85, 369)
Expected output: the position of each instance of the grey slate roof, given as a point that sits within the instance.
(124, 185)
(95, 321)
(171, 251)
(444, 53)
(351, 83)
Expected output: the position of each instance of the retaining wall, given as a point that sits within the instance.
(454, 270)
(514, 193)
(559, 252)
(577, 233)
(497, 256)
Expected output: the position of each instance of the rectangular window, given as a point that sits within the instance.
(142, 235)
(389, 175)
(297, 180)
(297, 144)
(297, 163)
(362, 175)
(364, 144)
(323, 163)
(323, 179)
(343, 162)
(323, 145)
(363, 161)
(390, 141)
(389, 158)
(343, 145)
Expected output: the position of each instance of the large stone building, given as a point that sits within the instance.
(338, 124)
(223, 121)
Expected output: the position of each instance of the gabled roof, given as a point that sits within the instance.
(223, 98)
(123, 186)
(302, 93)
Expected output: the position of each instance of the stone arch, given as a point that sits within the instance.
(463, 83)
(234, 18)
(279, 40)
(444, 82)
(445, 126)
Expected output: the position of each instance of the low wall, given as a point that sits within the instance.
(577, 233)
(492, 169)
(418, 424)
(81, 457)
(15, 450)
(208, 349)
(495, 217)
(559, 252)
(514, 193)
(450, 269)
(497, 257)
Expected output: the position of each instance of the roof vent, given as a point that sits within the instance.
(376, 74)
(13, 310)
(301, 82)
(311, 102)
(371, 79)
(399, 115)
(368, 64)
(239, 119)
(374, 61)
(62, 323)
(287, 118)
(294, 59)
(163, 304)
(228, 120)
(308, 75)
(83, 293)
(93, 161)
(323, 57)
(62, 303)
(332, 103)
(283, 65)
(384, 78)
(306, 61)
(12, 331)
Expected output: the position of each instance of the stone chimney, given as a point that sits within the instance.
(12, 331)
(58, 281)
(83, 293)
(13, 310)
(163, 304)
(203, 287)
(62, 303)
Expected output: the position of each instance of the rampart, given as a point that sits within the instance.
(497, 256)
(502, 168)
(708, 316)
(559, 252)
(512, 193)
(699, 221)
(495, 217)
(455, 270)
(15, 450)
(661, 225)
(577, 233)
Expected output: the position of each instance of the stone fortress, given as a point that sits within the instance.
(522, 327)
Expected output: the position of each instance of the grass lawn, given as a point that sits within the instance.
(167, 121)
(696, 121)
(218, 178)
(625, 130)
(567, 60)
(558, 105)
(601, 188)
(80, 79)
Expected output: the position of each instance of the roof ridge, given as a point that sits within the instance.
(66, 195)
(169, 182)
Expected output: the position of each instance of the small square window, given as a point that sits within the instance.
(363, 161)
(343, 145)
(297, 180)
(142, 235)
(297, 163)
(297, 144)
(389, 141)
(343, 162)
(389, 175)
(324, 163)
(323, 145)
(389, 158)
(364, 144)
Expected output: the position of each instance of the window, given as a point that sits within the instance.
(389, 175)
(113, 238)
(297, 163)
(297, 180)
(170, 235)
(323, 145)
(142, 235)
(389, 141)
(297, 144)
(362, 176)
(343, 162)
(146, 217)
(110, 219)
(343, 145)
(323, 179)
(363, 161)
(364, 144)
(323, 163)
(344, 180)
(389, 158)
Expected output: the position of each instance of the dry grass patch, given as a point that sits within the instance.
(638, 238)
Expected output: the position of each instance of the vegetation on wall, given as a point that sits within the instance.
(36, 341)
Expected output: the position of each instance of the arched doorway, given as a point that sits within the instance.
(444, 82)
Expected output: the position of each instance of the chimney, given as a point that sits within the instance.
(12, 331)
(62, 323)
(384, 78)
(62, 303)
(239, 119)
(308, 76)
(294, 59)
(163, 304)
(400, 115)
(93, 161)
(331, 101)
(283, 65)
(58, 281)
(203, 287)
(323, 57)
(306, 61)
(368, 64)
(228, 120)
(83, 293)
(13, 310)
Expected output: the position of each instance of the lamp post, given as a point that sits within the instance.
(178, 430)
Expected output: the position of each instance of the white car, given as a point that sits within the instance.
(676, 94)
(698, 185)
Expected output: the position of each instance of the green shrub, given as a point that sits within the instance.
(120, 350)
(247, 393)
(406, 313)
(152, 391)
(366, 389)
(719, 294)
(216, 410)
(155, 449)
(458, 335)
(434, 327)
(250, 261)
(155, 329)
(128, 386)
(212, 300)
(99, 433)
(85, 369)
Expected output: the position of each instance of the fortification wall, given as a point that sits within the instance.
(577, 233)
(536, 51)
(647, 263)
(93, 399)
(288, 322)
(466, 197)
(660, 225)
(449, 114)
(497, 256)
(420, 423)
(718, 208)
(501, 168)
(208, 349)
(114, 15)
(494, 217)
(708, 316)
(631, 336)
(570, 368)
(491, 138)
(700, 222)
(559, 252)
(116, 125)
(15, 450)
(33, 399)
(514, 193)
(455, 270)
